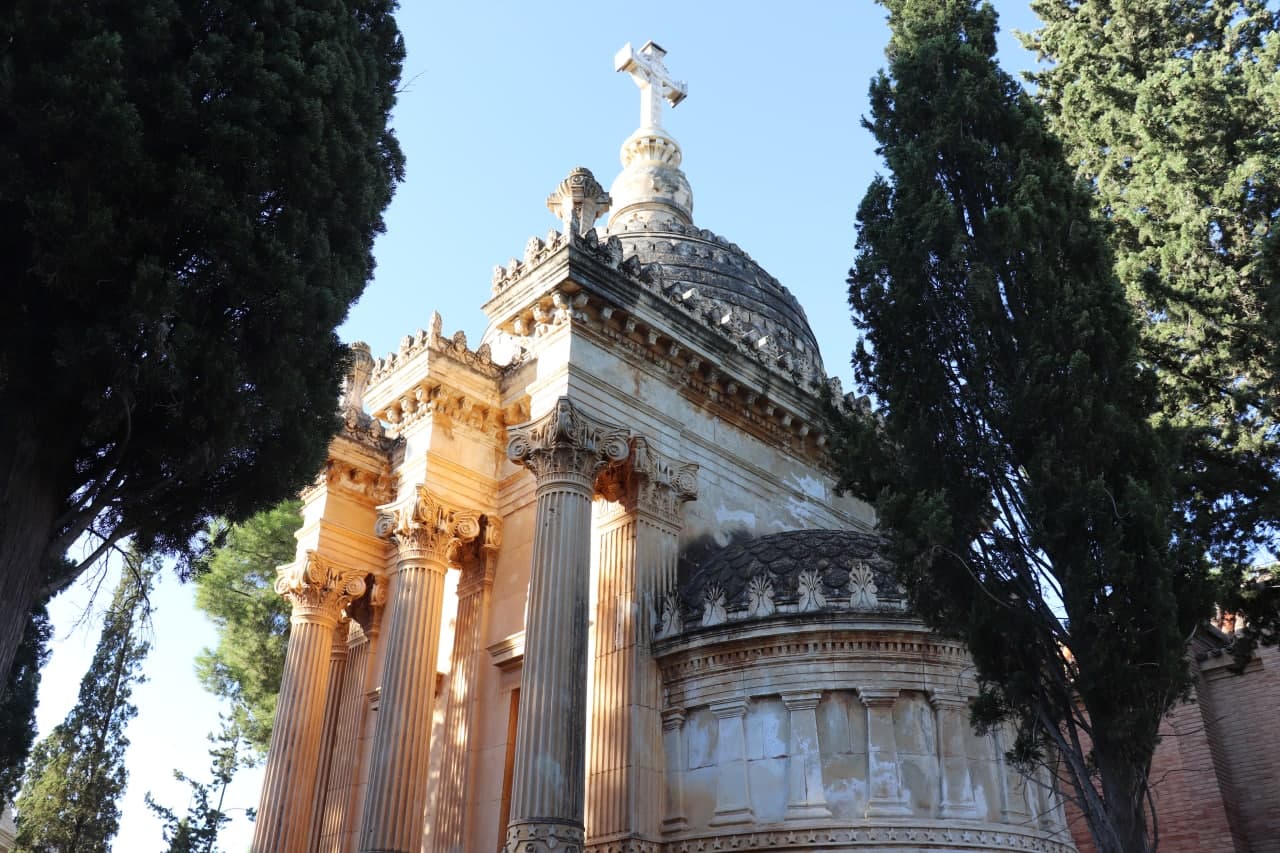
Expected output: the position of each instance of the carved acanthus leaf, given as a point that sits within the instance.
(425, 527)
(318, 588)
(567, 443)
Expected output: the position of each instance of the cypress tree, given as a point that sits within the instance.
(197, 831)
(1013, 458)
(69, 799)
(189, 195)
(1169, 111)
(18, 705)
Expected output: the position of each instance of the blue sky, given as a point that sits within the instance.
(499, 102)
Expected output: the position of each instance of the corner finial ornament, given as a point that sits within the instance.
(579, 201)
(357, 378)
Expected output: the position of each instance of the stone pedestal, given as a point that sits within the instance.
(638, 551)
(953, 759)
(733, 790)
(565, 450)
(318, 590)
(429, 534)
(448, 835)
(806, 799)
(884, 774)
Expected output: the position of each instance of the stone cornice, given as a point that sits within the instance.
(567, 444)
(318, 589)
(426, 528)
(704, 345)
(873, 835)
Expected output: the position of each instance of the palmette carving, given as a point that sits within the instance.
(567, 443)
(544, 837)
(425, 527)
(317, 588)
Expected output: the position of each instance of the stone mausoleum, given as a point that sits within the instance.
(588, 585)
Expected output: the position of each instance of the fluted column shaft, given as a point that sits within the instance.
(448, 835)
(428, 534)
(638, 553)
(317, 590)
(329, 734)
(565, 450)
(344, 764)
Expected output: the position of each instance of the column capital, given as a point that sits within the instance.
(728, 708)
(427, 528)
(881, 698)
(318, 589)
(948, 701)
(801, 700)
(673, 718)
(567, 444)
(653, 483)
(479, 575)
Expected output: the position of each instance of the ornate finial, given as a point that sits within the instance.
(651, 190)
(646, 68)
(357, 379)
(579, 201)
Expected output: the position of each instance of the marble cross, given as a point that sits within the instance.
(655, 82)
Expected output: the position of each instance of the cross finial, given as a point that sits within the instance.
(655, 82)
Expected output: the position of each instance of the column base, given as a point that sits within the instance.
(675, 824)
(544, 837)
(807, 811)
(730, 817)
(888, 808)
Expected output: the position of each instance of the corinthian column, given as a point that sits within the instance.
(638, 548)
(318, 591)
(430, 535)
(447, 835)
(565, 450)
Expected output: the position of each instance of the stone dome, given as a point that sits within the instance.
(696, 259)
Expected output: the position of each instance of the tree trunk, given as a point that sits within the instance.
(1124, 797)
(29, 505)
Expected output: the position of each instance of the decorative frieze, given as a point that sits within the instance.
(874, 837)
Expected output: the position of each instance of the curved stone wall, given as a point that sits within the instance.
(837, 733)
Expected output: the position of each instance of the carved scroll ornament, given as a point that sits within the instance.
(317, 588)
(567, 443)
(427, 528)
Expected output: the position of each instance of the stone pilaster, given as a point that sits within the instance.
(448, 835)
(430, 535)
(733, 790)
(884, 774)
(565, 450)
(638, 551)
(806, 799)
(317, 590)
(341, 808)
(675, 819)
(953, 759)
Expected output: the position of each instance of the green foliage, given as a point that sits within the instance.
(236, 588)
(1014, 456)
(189, 195)
(18, 706)
(1168, 109)
(197, 831)
(76, 775)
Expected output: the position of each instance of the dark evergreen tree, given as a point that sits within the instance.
(69, 799)
(1013, 458)
(1169, 110)
(18, 704)
(197, 831)
(235, 587)
(189, 194)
